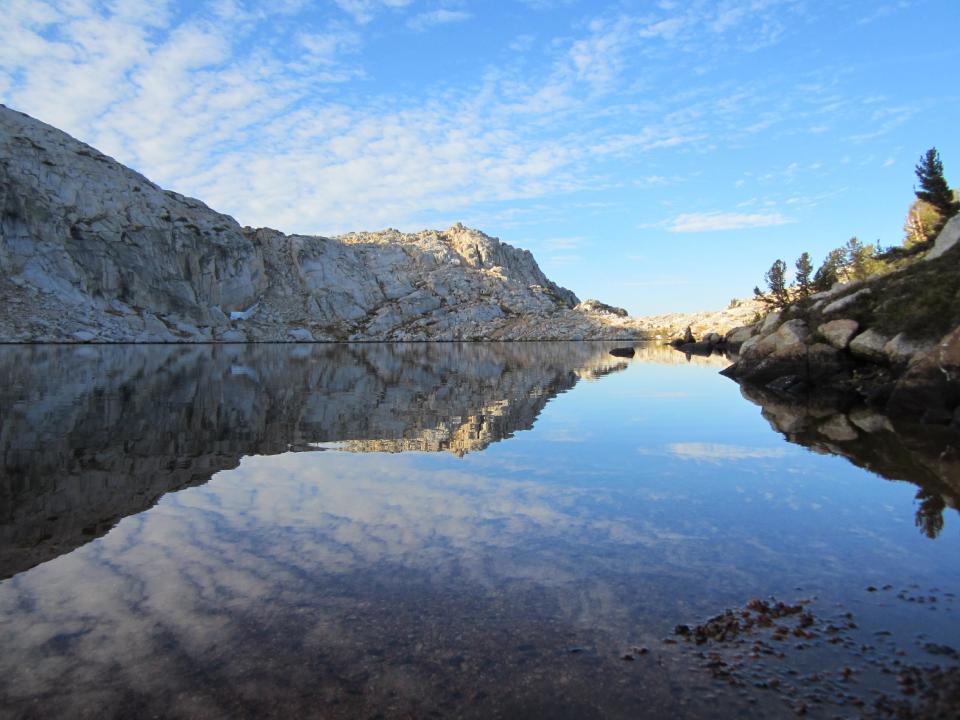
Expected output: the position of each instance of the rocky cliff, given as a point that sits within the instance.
(91, 251)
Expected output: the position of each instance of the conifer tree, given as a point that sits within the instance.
(934, 187)
(828, 274)
(857, 256)
(804, 275)
(776, 284)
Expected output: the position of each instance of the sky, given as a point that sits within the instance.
(657, 155)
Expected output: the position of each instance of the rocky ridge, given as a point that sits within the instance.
(669, 326)
(892, 342)
(92, 251)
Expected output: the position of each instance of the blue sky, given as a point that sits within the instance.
(656, 155)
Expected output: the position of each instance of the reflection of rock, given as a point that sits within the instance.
(93, 434)
(668, 355)
(927, 456)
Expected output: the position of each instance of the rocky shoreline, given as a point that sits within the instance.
(892, 343)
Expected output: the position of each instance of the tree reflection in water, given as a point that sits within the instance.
(927, 456)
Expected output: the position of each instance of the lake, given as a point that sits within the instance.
(461, 530)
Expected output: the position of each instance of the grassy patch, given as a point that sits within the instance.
(922, 301)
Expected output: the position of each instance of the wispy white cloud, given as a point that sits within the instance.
(253, 116)
(563, 243)
(655, 281)
(566, 259)
(364, 11)
(880, 11)
(427, 20)
(522, 43)
(708, 222)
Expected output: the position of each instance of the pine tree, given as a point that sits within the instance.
(934, 187)
(804, 272)
(828, 274)
(776, 284)
(857, 256)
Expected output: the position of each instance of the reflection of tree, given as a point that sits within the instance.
(929, 516)
(924, 455)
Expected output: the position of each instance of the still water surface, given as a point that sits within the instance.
(434, 530)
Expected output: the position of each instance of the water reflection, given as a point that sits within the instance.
(311, 567)
(927, 456)
(90, 435)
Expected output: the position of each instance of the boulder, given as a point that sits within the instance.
(747, 345)
(232, 336)
(740, 335)
(839, 332)
(948, 237)
(790, 335)
(869, 345)
(627, 352)
(901, 349)
(930, 387)
(597, 306)
(825, 362)
(845, 302)
(300, 335)
(769, 323)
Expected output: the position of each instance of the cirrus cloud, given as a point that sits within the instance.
(711, 221)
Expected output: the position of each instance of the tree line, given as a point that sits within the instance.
(935, 204)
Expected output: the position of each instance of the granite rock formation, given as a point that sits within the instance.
(91, 251)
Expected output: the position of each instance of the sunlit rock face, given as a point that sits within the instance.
(925, 455)
(96, 433)
(92, 251)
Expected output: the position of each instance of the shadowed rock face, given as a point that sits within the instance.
(92, 434)
(927, 456)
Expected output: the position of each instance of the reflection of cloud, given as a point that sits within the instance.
(564, 435)
(716, 452)
(206, 575)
